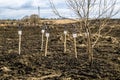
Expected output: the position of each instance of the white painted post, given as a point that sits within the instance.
(42, 31)
(46, 47)
(74, 36)
(65, 33)
(19, 33)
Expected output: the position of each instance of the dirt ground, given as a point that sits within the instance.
(31, 64)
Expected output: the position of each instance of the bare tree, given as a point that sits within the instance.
(87, 11)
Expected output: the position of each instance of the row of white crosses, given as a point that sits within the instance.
(47, 37)
(74, 35)
(43, 31)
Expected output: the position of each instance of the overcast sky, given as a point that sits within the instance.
(17, 9)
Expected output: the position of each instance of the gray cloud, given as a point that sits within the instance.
(20, 8)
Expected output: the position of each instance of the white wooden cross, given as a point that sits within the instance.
(42, 31)
(19, 33)
(75, 49)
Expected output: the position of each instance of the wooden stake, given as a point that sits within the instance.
(75, 47)
(42, 39)
(46, 47)
(42, 42)
(65, 32)
(20, 33)
(19, 44)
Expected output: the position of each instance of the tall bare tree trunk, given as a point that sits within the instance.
(89, 48)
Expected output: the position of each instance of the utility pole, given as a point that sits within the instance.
(39, 11)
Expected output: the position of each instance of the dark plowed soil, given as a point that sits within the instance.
(31, 64)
